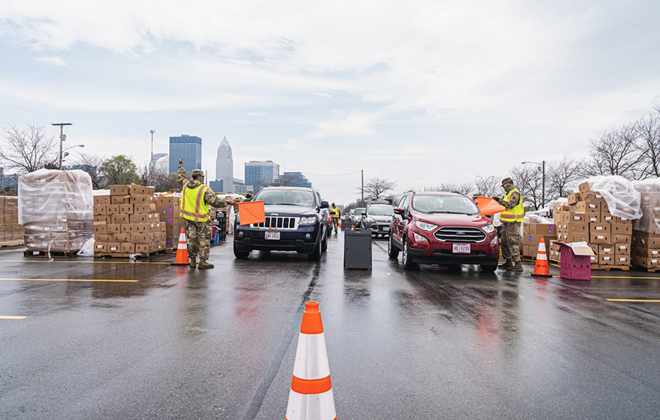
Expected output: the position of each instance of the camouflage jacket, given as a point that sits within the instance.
(513, 201)
(210, 197)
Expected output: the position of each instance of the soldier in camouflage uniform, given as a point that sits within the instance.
(511, 219)
(199, 232)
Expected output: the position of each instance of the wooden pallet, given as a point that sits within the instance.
(647, 269)
(10, 243)
(610, 267)
(44, 253)
(139, 255)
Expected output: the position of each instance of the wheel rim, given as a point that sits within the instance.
(405, 251)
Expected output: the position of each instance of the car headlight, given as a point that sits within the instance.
(425, 226)
(307, 221)
(488, 228)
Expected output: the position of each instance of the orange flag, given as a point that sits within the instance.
(252, 212)
(488, 206)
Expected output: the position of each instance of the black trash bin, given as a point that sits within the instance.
(221, 225)
(357, 249)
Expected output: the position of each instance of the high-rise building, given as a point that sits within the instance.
(188, 148)
(224, 166)
(295, 179)
(261, 173)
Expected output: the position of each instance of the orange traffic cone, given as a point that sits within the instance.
(541, 268)
(182, 250)
(339, 223)
(311, 390)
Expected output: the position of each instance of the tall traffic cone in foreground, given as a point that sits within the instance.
(311, 390)
(182, 250)
(541, 268)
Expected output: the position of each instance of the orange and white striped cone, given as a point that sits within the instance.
(541, 268)
(182, 250)
(311, 389)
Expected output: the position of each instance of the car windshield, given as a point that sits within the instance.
(381, 210)
(444, 204)
(286, 198)
(359, 211)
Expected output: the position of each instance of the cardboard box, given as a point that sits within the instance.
(141, 190)
(599, 227)
(142, 199)
(622, 253)
(103, 238)
(646, 262)
(112, 209)
(105, 219)
(119, 219)
(127, 247)
(622, 239)
(129, 228)
(593, 197)
(584, 187)
(573, 237)
(622, 260)
(120, 189)
(169, 201)
(114, 228)
(122, 237)
(593, 218)
(101, 200)
(100, 228)
(100, 210)
(623, 248)
(126, 209)
(142, 248)
(100, 246)
(605, 250)
(587, 207)
(622, 228)
(120, 199)
(538, 229)
(574, 198)
(606, 259)
(577, 217)
(575, 261)
(140, 238)
(600, 238)
(114, 247)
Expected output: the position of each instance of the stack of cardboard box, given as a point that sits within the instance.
(127, 222)
(11, 233)
(532, 234)
(588, 219)
(56, 210)
(646, 235)
(168, 214)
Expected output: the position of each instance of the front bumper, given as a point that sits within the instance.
(439, 252)
(247, 239)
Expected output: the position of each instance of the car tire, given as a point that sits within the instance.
(316, 254)
(241, 255)
(408, 264)
(324, 242)
(488, 268)
(392, 251)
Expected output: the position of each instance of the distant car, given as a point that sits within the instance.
(296, 220)
(377, 218)
(442, 228)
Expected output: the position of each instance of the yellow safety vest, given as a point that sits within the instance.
(516, 214)
(193, 206)
(336, 210)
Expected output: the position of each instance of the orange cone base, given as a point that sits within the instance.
(541, 275)
(176, 263)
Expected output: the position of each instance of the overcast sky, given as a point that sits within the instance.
(420, 92)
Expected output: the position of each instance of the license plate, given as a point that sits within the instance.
(273, 236)
(461, 248)
(386, 228)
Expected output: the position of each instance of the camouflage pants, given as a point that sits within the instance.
(199, 239)
(510, 241)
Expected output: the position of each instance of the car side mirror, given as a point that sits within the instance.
(399, 210)
(325, 205)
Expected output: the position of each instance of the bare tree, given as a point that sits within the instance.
(465, 189)
(163, 181)
(648, 129)
(489, 186)
(376, 188)
(529, 180)
(561, 177)
(90, 164)
(27, 150)
(615, 152)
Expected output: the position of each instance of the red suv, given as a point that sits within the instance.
(442, 228)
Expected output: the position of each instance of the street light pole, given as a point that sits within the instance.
(62, 137)
(151, 171)
(542, 165)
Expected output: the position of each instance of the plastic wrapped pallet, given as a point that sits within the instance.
(56, 210)
(646, 234)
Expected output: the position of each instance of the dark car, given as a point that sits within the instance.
(442, 228)
(296, 220)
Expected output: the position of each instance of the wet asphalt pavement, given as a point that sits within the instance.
(151, 341)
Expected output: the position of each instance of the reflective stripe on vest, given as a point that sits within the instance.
(193, 206)
(516, 214)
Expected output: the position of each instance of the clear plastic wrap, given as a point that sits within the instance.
(56, 209)
(649, 190)
(621, 196)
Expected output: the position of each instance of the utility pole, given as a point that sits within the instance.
(62, 138)
(362, 175)
(151, 171)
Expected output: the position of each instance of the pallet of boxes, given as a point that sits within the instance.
(127, 223)
(587, 218)
(11, 233)
(646, 233)
(531, 237)
(56, 211)
(168, 212)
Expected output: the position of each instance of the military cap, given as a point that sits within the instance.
(197, 172)
(507, 180)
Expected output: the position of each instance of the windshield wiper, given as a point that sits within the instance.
(447, 212)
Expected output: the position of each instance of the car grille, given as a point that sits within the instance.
(278, 223)
(460, 234)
